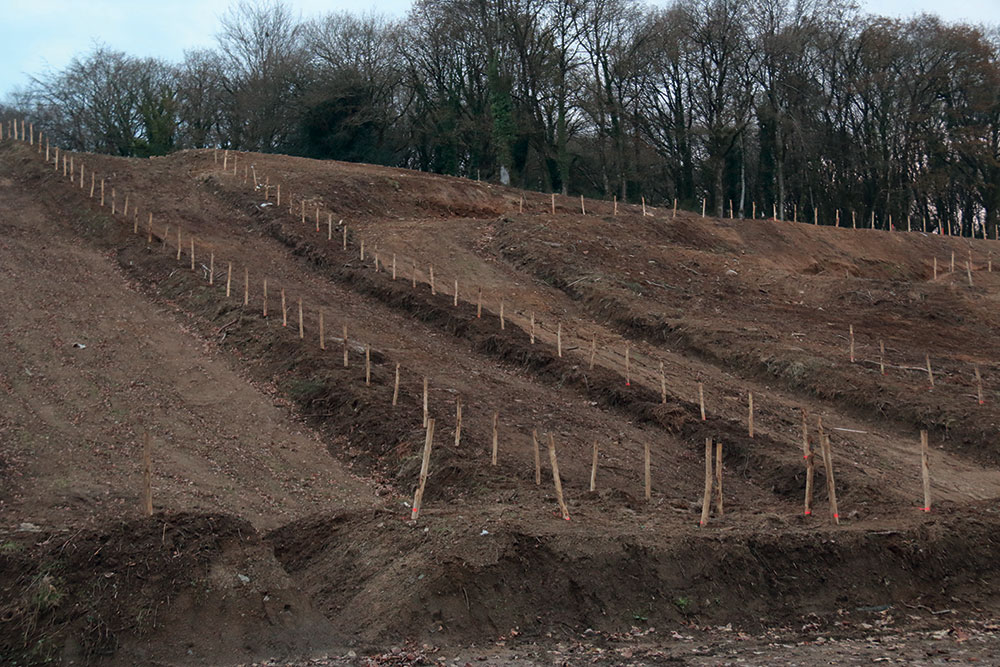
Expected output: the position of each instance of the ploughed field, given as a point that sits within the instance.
(283, 478)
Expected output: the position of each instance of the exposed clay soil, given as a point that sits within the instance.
(282, 479)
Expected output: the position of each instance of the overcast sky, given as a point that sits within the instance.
(40, 34)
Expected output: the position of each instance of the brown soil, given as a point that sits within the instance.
(282, 480)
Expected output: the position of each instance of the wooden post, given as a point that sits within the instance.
(675, 207)
(831, 486)
(431, 274)
(147, 475)
(192, 253)
(881, 356)
(750, 415)
(593, 470)
(479, 302)
(395, 387)
(753, 211)
(953, 261)
(344, 230)
(178, 243)
(968, 271)
(701, 399)
(277, 193)
(979, 385)
(135, 221)
(426, 415)
(493, 458)
(925, 470)
(93, 182)
(302, 333)
(593, 350)
(265, 297)
(125, 211)
(81, 176)
(559, 339)
(368, 364)
(501, 314)
(102, 192)
(455, 300)
(810, 463)
(555, 478)
(532, 334)
(663, 386)
(317, 218)
(838, 218)
(225, 161)
(706, 499)
(322, 331)
(418, 497)
(731, 216)
(284, 310)
(413, 274)
(703, 207)
(647, 470)
(229, 279)
(718, 478)
(854, 220)
(935, 268)
(815, 216)
(520, 205)
(909, 227)
(149, 230)
(628, 366)
(375, 259)
(211, 268)
(246, 286)
(616, 204)
(114, 201)
(553, 203)
(851, 332)
(583, 207)
(458, 420)
(538, 457)
(329, 226)
(644, 206)
(345, 357)
(930, 373)
(362, 250)
(393, 266)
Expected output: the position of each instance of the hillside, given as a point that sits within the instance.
(282, 479)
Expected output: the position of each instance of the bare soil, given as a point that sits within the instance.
(282, 479)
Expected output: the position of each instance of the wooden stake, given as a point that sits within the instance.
(953, 261)
(520, 205)
(265, 297)
(493, 459)
(362, 250)
(593, 349)
(559, 339)
(368, 364)
(329, 226)
(851, 331)
(125, 212)
(647, 471)
(701, 399)
(979, 385)
(555, 478)
(810, 464)
(968, 271)
(211, 268)
(663, 386)
(935, 268)
(431, 274)
(345, 236)
(854, 220)
(628, 366)
(393, 266)
(178, 244)
(192, 253)
(501, 314)
(413, 275)
(675, 207)
(593, 470)
(930, 373)
(246, 286)
(317, 218)
(277, 193)
(925, 470)
(583, 207)
(114, 201)
(718, 478)
(553, 203)
(532, 328)
(102, 192)
(881, 356)
(229, 279)
(831, 486)
(345, 360)
(616, 204)
(147, 475)
(706, 499)
(479, 303)
(458, 420)
(643, 207)
(322, 331)
(426, 415)
(538, 457)
(93, 182)
(750, 417)
(284, 311)
(395, 388)
(302, 333)
(455, 301)
(418, 497)
(149, 231)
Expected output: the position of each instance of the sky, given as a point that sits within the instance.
(36, 35)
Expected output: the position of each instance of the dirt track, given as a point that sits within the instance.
(250, 421)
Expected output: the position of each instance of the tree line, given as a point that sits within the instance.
(791, 108)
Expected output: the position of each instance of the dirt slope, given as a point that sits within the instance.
(253, 423)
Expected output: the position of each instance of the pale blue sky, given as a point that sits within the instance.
(36, 34)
